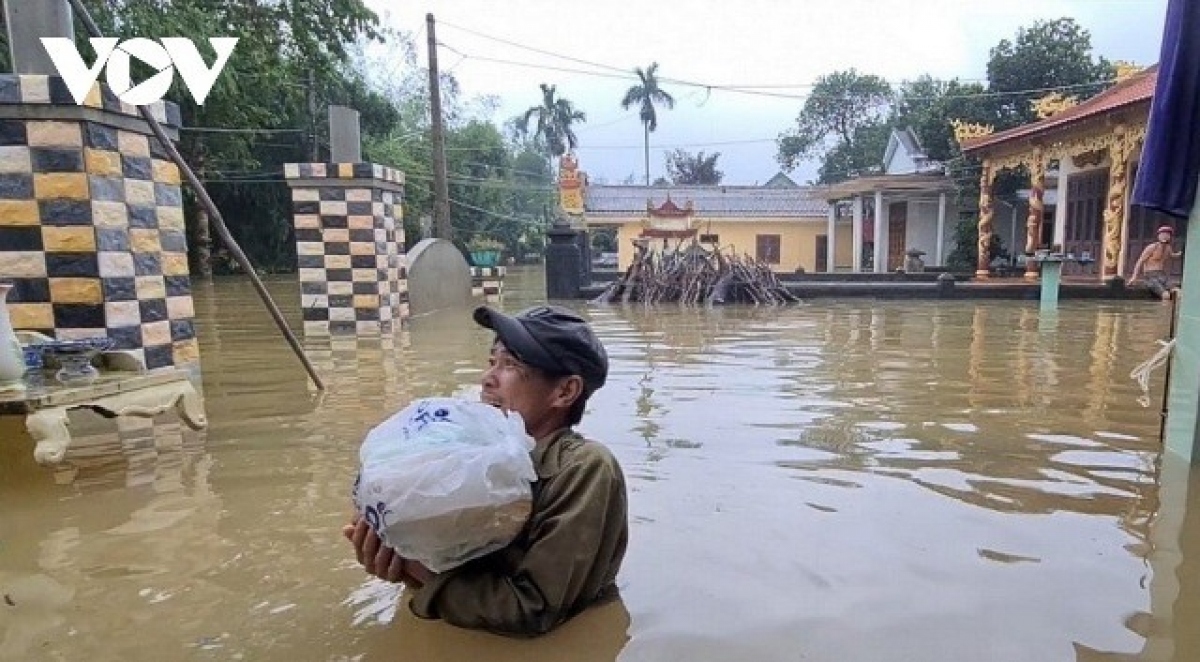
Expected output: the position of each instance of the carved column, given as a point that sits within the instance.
(985, 219)
(1033, 223)
(1114, 211)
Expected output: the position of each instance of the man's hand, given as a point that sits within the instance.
(382, 561)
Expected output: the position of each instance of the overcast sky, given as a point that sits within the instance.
(744, 43)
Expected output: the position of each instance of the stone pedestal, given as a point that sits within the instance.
(349, 246)
(91, 221)
(563, 273)
(585, 256)
(1051, 282)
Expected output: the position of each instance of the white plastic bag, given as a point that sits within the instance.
(446, 480)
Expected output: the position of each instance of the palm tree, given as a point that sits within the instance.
(645, 95)
(556, 118)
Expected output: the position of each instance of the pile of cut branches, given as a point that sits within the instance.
(692, 274)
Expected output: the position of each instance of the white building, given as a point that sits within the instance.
(904, 208)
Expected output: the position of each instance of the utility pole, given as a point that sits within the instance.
(441, 190)
(314, 146)
(646, 128)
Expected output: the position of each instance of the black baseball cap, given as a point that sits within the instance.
(551, 338)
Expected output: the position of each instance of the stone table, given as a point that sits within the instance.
(45, 404)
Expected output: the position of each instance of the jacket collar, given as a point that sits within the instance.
(548, 451)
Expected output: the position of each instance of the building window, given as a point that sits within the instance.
(710, 239)
(767, 248)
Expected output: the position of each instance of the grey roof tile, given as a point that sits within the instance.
(708, 201)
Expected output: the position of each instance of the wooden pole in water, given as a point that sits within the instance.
(214, 214)
(1162, 423)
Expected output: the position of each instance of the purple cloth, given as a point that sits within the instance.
(1170, 163)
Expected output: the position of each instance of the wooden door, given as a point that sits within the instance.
(897, 234)
(766, 248)
(1085, 220)
(822, 256)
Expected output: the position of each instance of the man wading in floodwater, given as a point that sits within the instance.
(545, 364)
(1154, 264)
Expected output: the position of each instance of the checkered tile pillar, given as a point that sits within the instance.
(91, 221)
(349, 246)
(488, 282)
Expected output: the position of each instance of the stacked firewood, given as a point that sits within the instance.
(692, 274)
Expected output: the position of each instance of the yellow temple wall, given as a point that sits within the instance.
(797, 239)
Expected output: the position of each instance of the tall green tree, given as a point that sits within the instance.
(862, 155)
(533, 192)
(557, 117)
(842, 116)
(500, 179)
(1045, 56)
(645, 95)
(686, 168)
(928, 105)
(289, 51)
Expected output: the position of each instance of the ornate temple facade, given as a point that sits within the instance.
(1082, 158)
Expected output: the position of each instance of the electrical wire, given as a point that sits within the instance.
(610, 71)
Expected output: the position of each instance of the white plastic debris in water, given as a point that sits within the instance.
(446, 480)
(1141, 374)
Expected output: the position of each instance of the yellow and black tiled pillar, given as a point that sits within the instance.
(488, 282)
(91, 221)
(349, 246)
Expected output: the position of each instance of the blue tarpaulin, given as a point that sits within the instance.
(1170, 165)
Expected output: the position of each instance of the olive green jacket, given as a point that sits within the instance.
(565, 560)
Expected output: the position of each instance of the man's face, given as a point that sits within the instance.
(1164, 237)
(513, 386)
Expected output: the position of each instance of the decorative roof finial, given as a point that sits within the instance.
(969, 130)
(1052, 104)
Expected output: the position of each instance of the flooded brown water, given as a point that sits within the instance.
(838, 481)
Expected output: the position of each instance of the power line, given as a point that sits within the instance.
(276, 176)
(624, 76)
(963, 174)
(756, 90)
(220, 129)
(626, 70)
(747, 141)
(492, 184)
(242, 181)
(623, 118)
(505, 217)
(545, 67)
(537, 50)
(779, 95)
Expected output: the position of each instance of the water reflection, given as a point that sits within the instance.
(834, 481)
(131, 505)
(597, 635)
(1174, 571)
